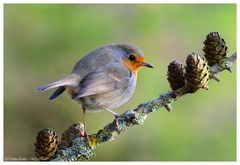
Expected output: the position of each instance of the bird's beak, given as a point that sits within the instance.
(146, 64)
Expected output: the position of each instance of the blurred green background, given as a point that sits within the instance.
(42, 43)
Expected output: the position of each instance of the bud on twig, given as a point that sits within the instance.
(75, 130)
(215, 48)
(175, 75)
(47, 144)
(196, 75)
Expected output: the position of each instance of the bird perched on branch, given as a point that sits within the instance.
(102, 80)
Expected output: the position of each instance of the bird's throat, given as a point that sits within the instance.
(133, 67)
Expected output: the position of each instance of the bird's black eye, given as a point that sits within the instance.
(131, 57)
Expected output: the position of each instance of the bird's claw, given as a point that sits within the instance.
(86, 136)
(116, 116)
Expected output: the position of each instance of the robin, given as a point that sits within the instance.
(102, 80)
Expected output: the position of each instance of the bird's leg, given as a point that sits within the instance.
(114, 113)
(85, 127)
(109, 110)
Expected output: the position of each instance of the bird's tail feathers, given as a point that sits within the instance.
(71, 80)
(58, 92)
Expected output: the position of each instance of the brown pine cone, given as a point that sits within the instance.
(175, 75)
(196, 75)
(47, 144)
(215, 48)
(75, 130)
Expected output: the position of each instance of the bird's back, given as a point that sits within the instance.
(94, 60)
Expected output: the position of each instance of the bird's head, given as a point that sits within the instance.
(132, 57)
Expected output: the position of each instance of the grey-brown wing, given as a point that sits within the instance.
(103, 80)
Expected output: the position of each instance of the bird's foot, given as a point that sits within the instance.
(86, 136)
(116, 116)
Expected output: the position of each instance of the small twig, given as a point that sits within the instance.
(80, 148)
(225, 64)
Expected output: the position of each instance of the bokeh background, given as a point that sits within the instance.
(42, 43)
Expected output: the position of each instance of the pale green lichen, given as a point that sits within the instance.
(139, 118)
(78, 151)
(225, 64)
